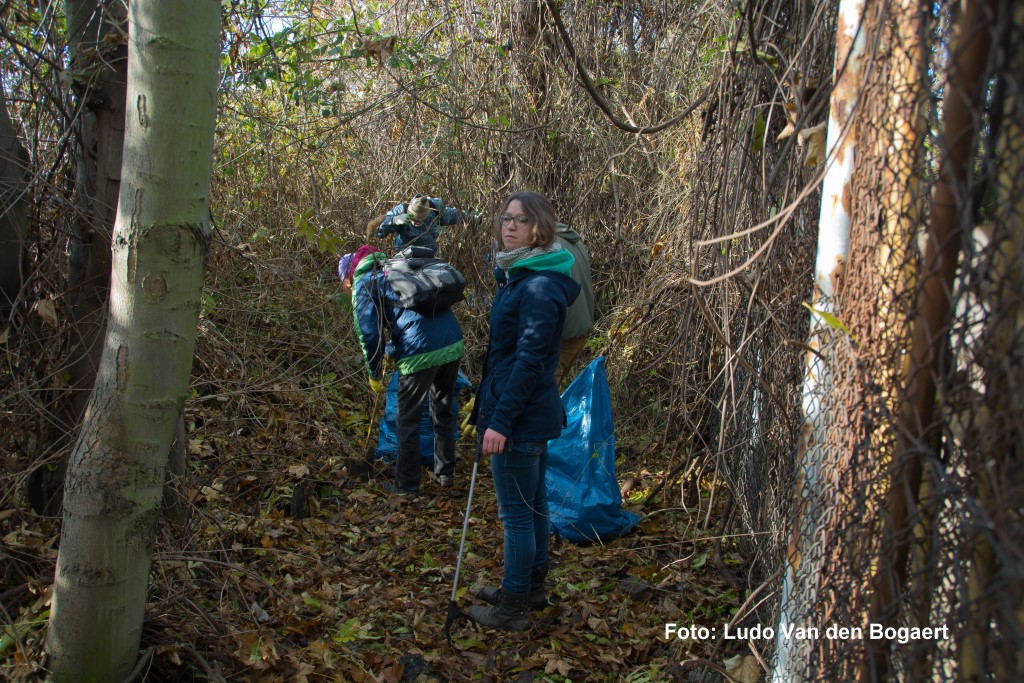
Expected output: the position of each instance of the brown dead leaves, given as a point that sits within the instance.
(810, 138)
(349, 592)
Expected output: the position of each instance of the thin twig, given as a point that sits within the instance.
(144, 661)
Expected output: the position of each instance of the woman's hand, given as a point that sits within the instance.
(493, 442)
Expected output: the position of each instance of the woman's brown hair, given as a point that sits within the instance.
(539, 210)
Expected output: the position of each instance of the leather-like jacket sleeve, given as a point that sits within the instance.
(541, 315)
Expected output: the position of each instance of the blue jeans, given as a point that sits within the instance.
(523, 509)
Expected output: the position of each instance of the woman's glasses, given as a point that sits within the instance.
(521, 221)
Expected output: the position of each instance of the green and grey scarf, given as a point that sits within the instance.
(507, 259)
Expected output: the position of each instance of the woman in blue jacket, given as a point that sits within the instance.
(518, 408)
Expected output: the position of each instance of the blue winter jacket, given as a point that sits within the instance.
(426, 234)
(517, 396)
(417, 341)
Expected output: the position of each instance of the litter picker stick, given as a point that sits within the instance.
(373, 420)
(361, 465)
(375, 416)
(454, 613)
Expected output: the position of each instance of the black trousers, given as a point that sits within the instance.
(439, 383)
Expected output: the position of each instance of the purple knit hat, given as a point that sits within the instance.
(349, 262)
(343, 265)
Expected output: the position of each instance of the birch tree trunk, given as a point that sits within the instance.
(806, 548)
(161, 235)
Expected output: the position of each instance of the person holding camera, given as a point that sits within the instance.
(419, 221)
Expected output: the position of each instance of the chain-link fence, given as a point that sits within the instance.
(885, 496)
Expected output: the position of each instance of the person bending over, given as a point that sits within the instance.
(426, 349)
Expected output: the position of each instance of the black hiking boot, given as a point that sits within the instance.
(510, 614)
(535, 599)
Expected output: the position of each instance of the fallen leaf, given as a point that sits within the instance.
(211, 493)
(557, 664)
(47, 310)
(260, 613)
(298, 470)
(470, 643)
(743, 668)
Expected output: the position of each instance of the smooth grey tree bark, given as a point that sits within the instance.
(161, 235)
(98, 69)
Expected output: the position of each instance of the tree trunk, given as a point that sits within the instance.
(918, 431)
(905, 204)
(99, 63)
(807, 548)
(530, 160)
(99, 73)
(161, 235)
(993, 439)
(13, 186)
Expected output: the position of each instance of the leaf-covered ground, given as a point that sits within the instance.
(244, 589)
(359, 590)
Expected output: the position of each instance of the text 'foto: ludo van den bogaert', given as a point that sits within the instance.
(901, 634)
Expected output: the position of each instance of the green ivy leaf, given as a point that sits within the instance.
(758, 143)
(830, 320)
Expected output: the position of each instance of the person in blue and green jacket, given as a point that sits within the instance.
(518, 409)
(419, 221)
(426, 350)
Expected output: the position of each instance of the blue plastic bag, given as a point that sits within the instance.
(387, 435)
(583, 492)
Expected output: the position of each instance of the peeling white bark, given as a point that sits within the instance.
(800, 581)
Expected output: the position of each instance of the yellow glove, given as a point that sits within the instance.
(469, 429)
(377, 385)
